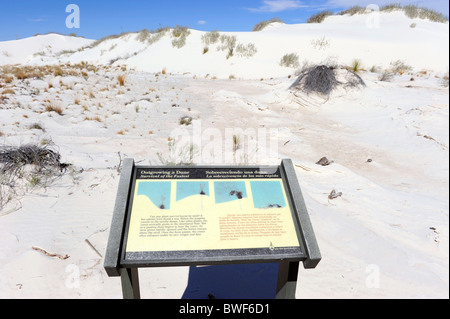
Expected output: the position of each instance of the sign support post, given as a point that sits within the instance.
(130, 283)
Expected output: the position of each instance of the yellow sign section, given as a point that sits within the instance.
(199, 214)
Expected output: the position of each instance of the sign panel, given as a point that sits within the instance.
(178, 213)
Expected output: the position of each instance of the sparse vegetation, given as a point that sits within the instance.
(323, 79)
(400, 67)
(8, 91)
(143, 35)
(263, 24)
(186, 120)
(8, 79)
(180, 34)
(121, 79)
(32, 165)
(412, 11)
(391, 7)
(320, 44)
(290, 60)
(246, 51)
(152, 37)
(353, 10)
(386, 76)
(355, 66)
(211, 37)
(228, 42)
(54, 108)
(445, 80)
(178, 155)
(36, 126)
(319, 17)
(236, 143)
(24, 72)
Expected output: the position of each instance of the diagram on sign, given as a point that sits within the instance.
(156, 192)
(268, 194)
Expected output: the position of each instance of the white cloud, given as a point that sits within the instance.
(201, 22)
(37, 20)
(278, 6)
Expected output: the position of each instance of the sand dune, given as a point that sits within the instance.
(389, 142)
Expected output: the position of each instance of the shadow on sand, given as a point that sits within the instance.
(250, 281)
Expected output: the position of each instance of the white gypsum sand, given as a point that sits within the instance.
(386, 236)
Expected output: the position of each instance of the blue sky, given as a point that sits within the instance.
(99, 18)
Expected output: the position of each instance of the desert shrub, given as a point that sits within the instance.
(58, 71)
(391, 7)
(263, 24)
(353, 10)
(246, 51)
(36, 126)
(29, 165)
(236, 143)
(109, 37)
(53, 107)
(413, 11)
(320, 79)
(179, 42)
(65, 52)
(179, 31)
(374, 69)
(290, 60)
(210, 37)
(319, 17)
(180, 34)
(323, 79)
(8, 79)
(400, 67)
(143, 35)
(152, 37)
(445, 80)
(121, 79)
(228, 42)
(321, 43)
(387, 76)
(155, 37)
(24, 72)
(179, 155)
(8, 91)
(355, 66)
(186, 120)
(38, 72)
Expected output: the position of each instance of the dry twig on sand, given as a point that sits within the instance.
(50, 254)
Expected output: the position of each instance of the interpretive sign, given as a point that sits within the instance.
(180, 216)
(221, 211)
